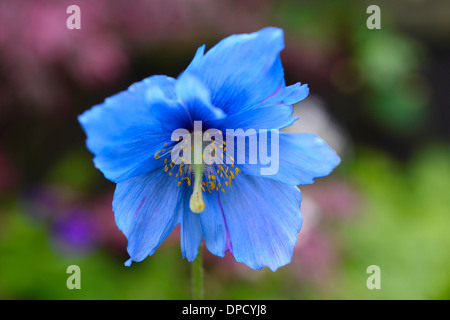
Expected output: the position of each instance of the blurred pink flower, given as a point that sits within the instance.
(336, 198)
(9, 175)
(37, 50)
(103, 216)
(316, 258)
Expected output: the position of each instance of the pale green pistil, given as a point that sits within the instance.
(196, 203)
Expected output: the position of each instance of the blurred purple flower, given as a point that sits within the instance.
(75, 231)
(76, 225)
(41, 203)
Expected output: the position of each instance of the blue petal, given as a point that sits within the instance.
(195, 98)
(288, 95)
(190, 232)
(147, 208)
(241, 70)
(266, 117)
(274, 112)
(209, 224)
(263, 218)
(125, 131)
(246, 79)
(301, 158)
(215, 228)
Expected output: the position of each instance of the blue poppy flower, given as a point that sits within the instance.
(237, 84)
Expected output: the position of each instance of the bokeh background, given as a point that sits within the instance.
(378, 97)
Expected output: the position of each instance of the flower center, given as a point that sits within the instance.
(196, 164)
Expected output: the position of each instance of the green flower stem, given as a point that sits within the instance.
(197, 292)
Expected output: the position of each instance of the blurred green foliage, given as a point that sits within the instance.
(402, 227)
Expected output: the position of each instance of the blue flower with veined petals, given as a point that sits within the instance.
(237, 84)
